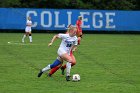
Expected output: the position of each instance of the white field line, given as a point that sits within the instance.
(20, 43)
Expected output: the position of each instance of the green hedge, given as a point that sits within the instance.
(74, 4)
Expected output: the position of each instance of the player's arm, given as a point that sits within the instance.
(53, 39)
(74, 48)
(77, 23)
(62, 36)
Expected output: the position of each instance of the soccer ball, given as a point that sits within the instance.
(76, 77)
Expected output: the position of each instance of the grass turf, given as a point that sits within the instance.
(107, 63)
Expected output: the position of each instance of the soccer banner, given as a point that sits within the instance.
(59, 19)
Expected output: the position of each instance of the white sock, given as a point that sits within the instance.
(46, 68)
(23, 38)
(68, 67)
(30, 38)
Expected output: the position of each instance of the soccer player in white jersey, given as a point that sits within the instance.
(69, 42)
(28, 30)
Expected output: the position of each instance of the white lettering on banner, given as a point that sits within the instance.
(109, 20)
(57, 20)
(35, 14)
(49, 19)
(91, 20)
(84, 19)
(69, 17)
(95, 14)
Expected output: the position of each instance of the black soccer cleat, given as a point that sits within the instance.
(40, 73)
(49, 75)
(63, 70)
(67, 78)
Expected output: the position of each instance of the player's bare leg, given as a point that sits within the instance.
(79, 37)
(79, 40)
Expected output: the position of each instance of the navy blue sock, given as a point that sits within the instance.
(55, 63)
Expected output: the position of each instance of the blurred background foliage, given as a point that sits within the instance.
(74, 4)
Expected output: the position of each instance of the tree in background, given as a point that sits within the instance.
(10, 3)
(74, 4)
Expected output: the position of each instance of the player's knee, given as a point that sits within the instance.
(70, 60)
(73, 64)
(81, 36)
(26, 34)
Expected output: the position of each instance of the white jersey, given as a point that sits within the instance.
(28, 28)
(66, 43)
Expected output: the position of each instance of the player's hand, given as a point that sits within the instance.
(49, 44)
(74, 49)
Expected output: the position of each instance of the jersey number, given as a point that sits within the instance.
(68, 45)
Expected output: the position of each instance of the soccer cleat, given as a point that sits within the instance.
(49, 75)
(22, 40)
(40, 73)
(62, 69)
(67, 78)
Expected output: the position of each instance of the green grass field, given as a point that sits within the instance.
(107, 63)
